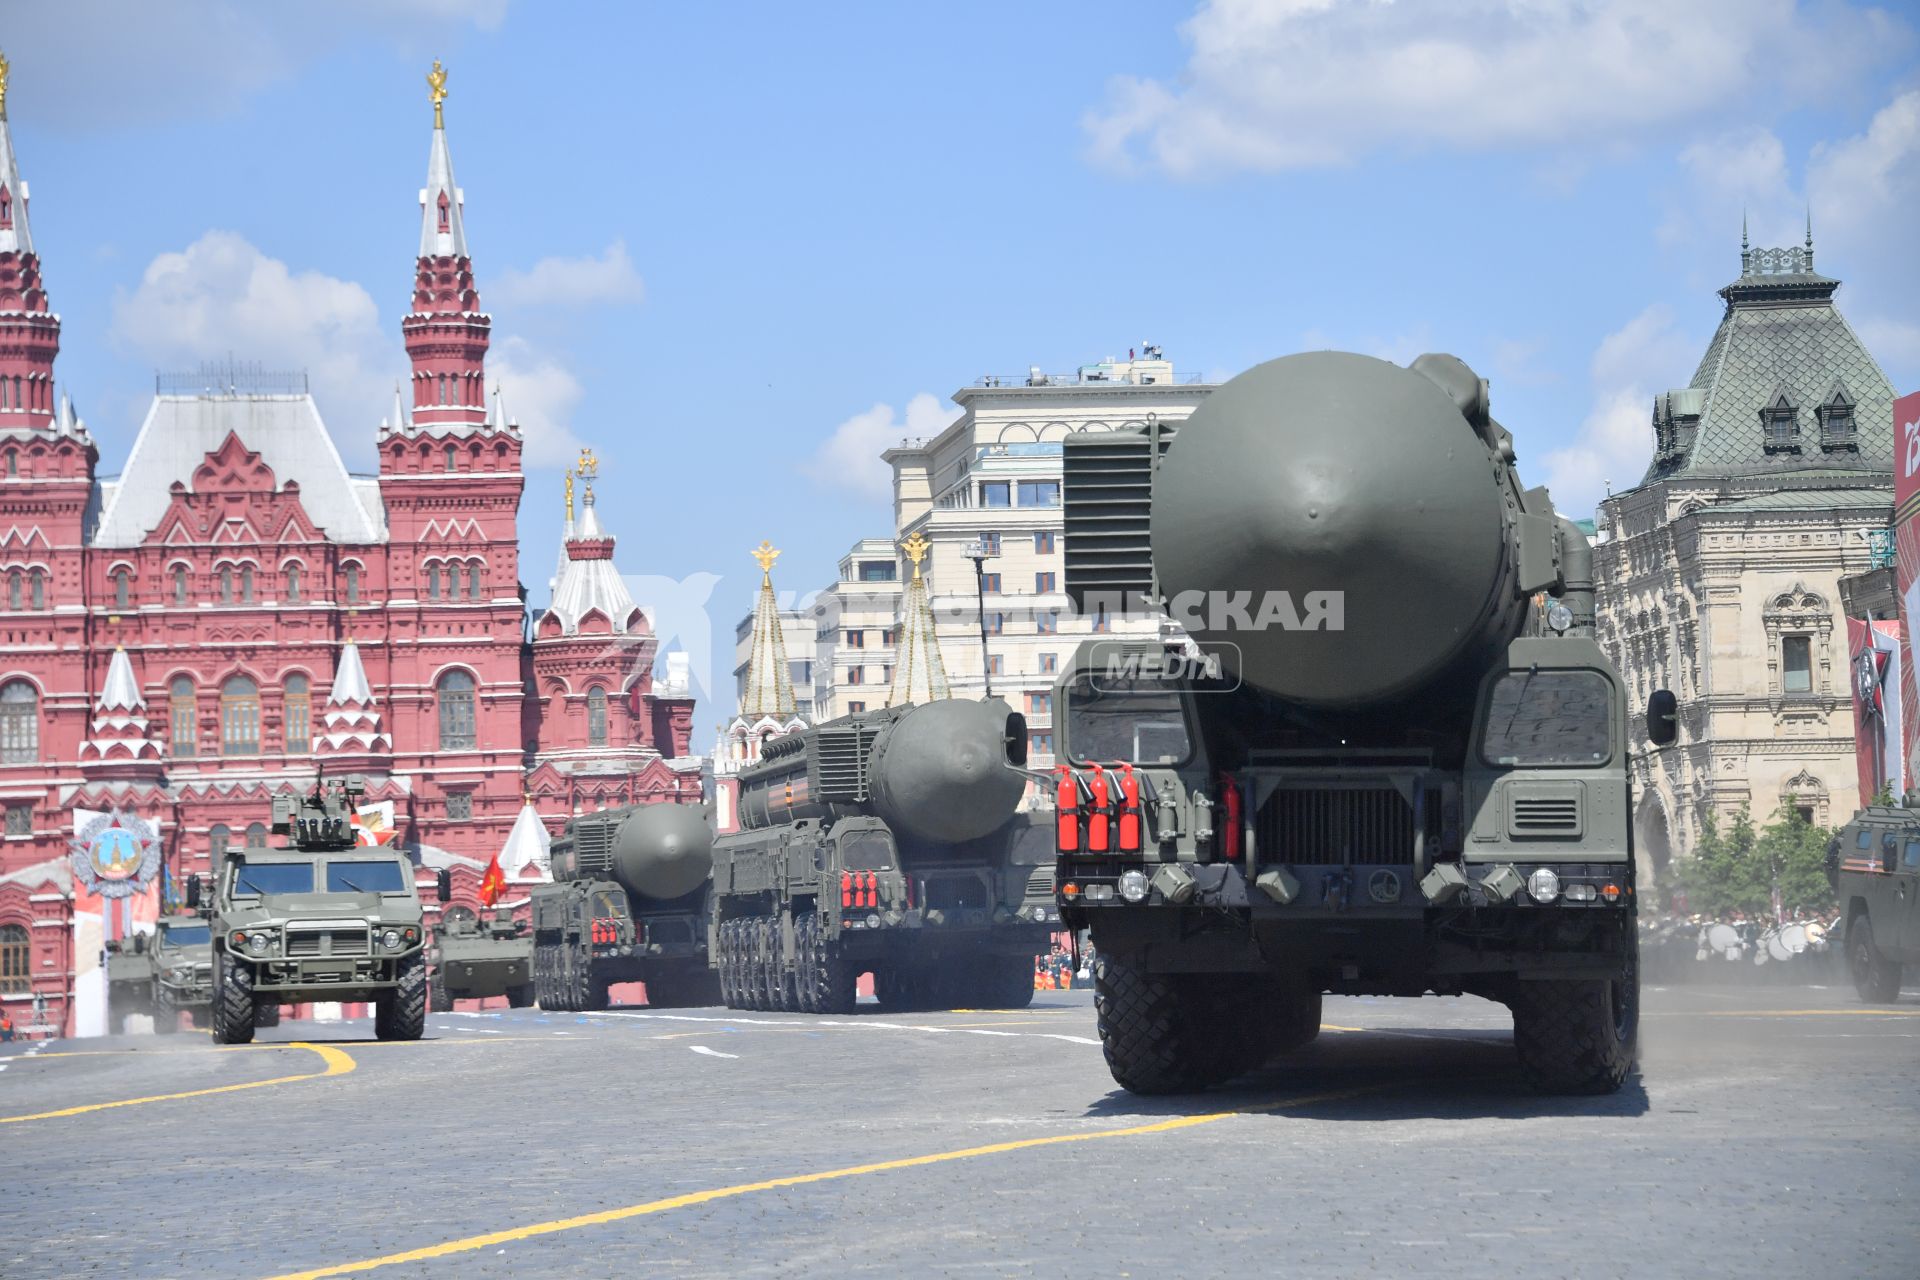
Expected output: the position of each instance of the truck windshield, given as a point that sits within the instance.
(1549, 717)
(186, 935)
(609, 904)
(1126, 718)
(382, 876)
(273, 877)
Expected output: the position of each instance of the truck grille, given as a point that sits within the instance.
(1331, 828)
(334, 941)
(1545, 816)
(1040, 883)
(841, 757)
(1107, 487)
(592, 845)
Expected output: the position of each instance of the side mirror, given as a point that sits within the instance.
(1663, 717)
(443, 885)
(193, 893)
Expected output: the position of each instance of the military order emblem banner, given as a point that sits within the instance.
(116, 854)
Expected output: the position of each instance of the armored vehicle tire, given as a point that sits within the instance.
(807, 941)
(723, 963)
(759, 967)
(596, 994)
(439, 999)
(519, 997)
(836, 983)
(1577, 1036)
(166, 1014)
(232, 1002)
(1154, 1030)
(1875, 978)
(1005, 982)
(401, 1012)
(266, 1015)
(893, 987)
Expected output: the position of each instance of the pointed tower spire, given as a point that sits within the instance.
(1809, 264)
(918, 673)
(121, 691)
(769, 690)
(525, 856)
(446, 334)
(29, 332)
(351, 725)
(118, 745)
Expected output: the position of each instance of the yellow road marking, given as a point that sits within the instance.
(338, 1064)
(1328, 1026)
(263, 1044)
(471, 1243)
(1788, 1013)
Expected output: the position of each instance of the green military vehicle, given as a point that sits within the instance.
(475, 959)
(885, 842)
(181, 959)
(129, 980)
(1393, 759)
(628, 903)
(1874, 866)
(317, 919)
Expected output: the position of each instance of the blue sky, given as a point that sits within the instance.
(739, 249)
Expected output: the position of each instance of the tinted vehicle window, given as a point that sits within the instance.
(273, 877)
(1864, 840)
(1125, 718)
(869, 851)
(609, 903)
(1913, 853)
(186, 935)
(1549, 717)
(383, 876)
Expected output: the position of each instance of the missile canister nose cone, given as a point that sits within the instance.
(663, 851)
(1332, 526)
(942, 774)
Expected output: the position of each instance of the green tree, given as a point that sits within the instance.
(1738, 868)
(1794, 852)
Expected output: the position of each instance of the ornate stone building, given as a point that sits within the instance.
(236, 613)
(1719, 573)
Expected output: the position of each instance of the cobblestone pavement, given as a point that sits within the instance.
(1771, 1130)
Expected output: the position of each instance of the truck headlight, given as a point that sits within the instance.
(1559, 617)
(390, 939)
(873, 922)
(259, 944)
(1544, 885)
(1133, 886)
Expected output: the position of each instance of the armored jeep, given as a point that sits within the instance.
(129, 980)
(180, 960)
(1874, 865)
(475, 959)
(318, 919)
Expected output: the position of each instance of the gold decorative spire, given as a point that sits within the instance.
(569, 499)
(769, 690)
(766, 554)
(916, 547)
(5, 68)
(589, 465)
(436, 89)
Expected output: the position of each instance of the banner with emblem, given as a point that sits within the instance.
(373, 824)
(1906, 571)
(115, 856)
(1879, 743)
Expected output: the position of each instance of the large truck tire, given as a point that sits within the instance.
(439, 999)
(265, 1015)
(232, 1002)
(1153, 1030)
(836, 981)
(1005, 982)
(166, 1014)
(807, 966)
(1875, 978)
(1293, 1020)
(401, 1013)
(727, 939)
(895, 988)
(520, 997)
(1577, 1036)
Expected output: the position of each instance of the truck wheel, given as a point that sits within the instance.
(401, 1013)
(1152, 1030)
(520, 997)
(759, 967)
(439, 999)
(836, 981)
(786, 979)
(1294, 1021)
(1875, 977)
(807, 970)
(595, 993)
(1577, 1036)
(1005, 982)
(232, 1002)
(266, 1015)
(723, 957)
(166, 1014)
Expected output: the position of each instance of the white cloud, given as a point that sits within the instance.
(1645, 356)
(609, 278)
(849, 459)
(1286, 84)
(540, 394)
(221, 296)
(87, 64)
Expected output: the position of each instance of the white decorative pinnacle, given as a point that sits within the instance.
(122, 691)
(527, 852)
(350, 687)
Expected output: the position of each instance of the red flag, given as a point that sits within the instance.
(493, 883)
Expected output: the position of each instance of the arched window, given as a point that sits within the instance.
(226, 584)
(14, 579)
(19, 723)
(184, 709)
(246, 583)
(299, 715)
(218, 838)
(433, 582)
(179, 584)
(597, 717)
(16, 955)
(444, 204)
(13, 464)
(353, 584)
(257, 835)
(122, 588)
(239, 717)
(293, 584)
(38, 580)
(451, 459)
(456, 711)
(473, 581)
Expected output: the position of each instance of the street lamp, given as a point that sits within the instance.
(977, 552)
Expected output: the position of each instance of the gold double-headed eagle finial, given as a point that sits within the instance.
(437, 90)
(766, 554)
(916, 546)
(5, 67)
(589, 466)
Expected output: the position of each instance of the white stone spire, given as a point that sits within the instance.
(769, 690)
(399, 410)
(122, 691)
(351, 726)
(526, 854)
(15, 235)
(350, 685)
(443, 232)
(118, 744)
(918, 673)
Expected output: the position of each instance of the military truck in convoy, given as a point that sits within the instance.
(474, 959)
(129, 980)
(885, 842)
(1874, 867)
(180, 956)
(628, 903)
(1393, 760)
(317, 918)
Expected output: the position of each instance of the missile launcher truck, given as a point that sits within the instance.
(1392, 760)
(885, 842)
(628, 903)
(317, 918)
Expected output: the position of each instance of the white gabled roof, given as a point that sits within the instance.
(285, 430)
